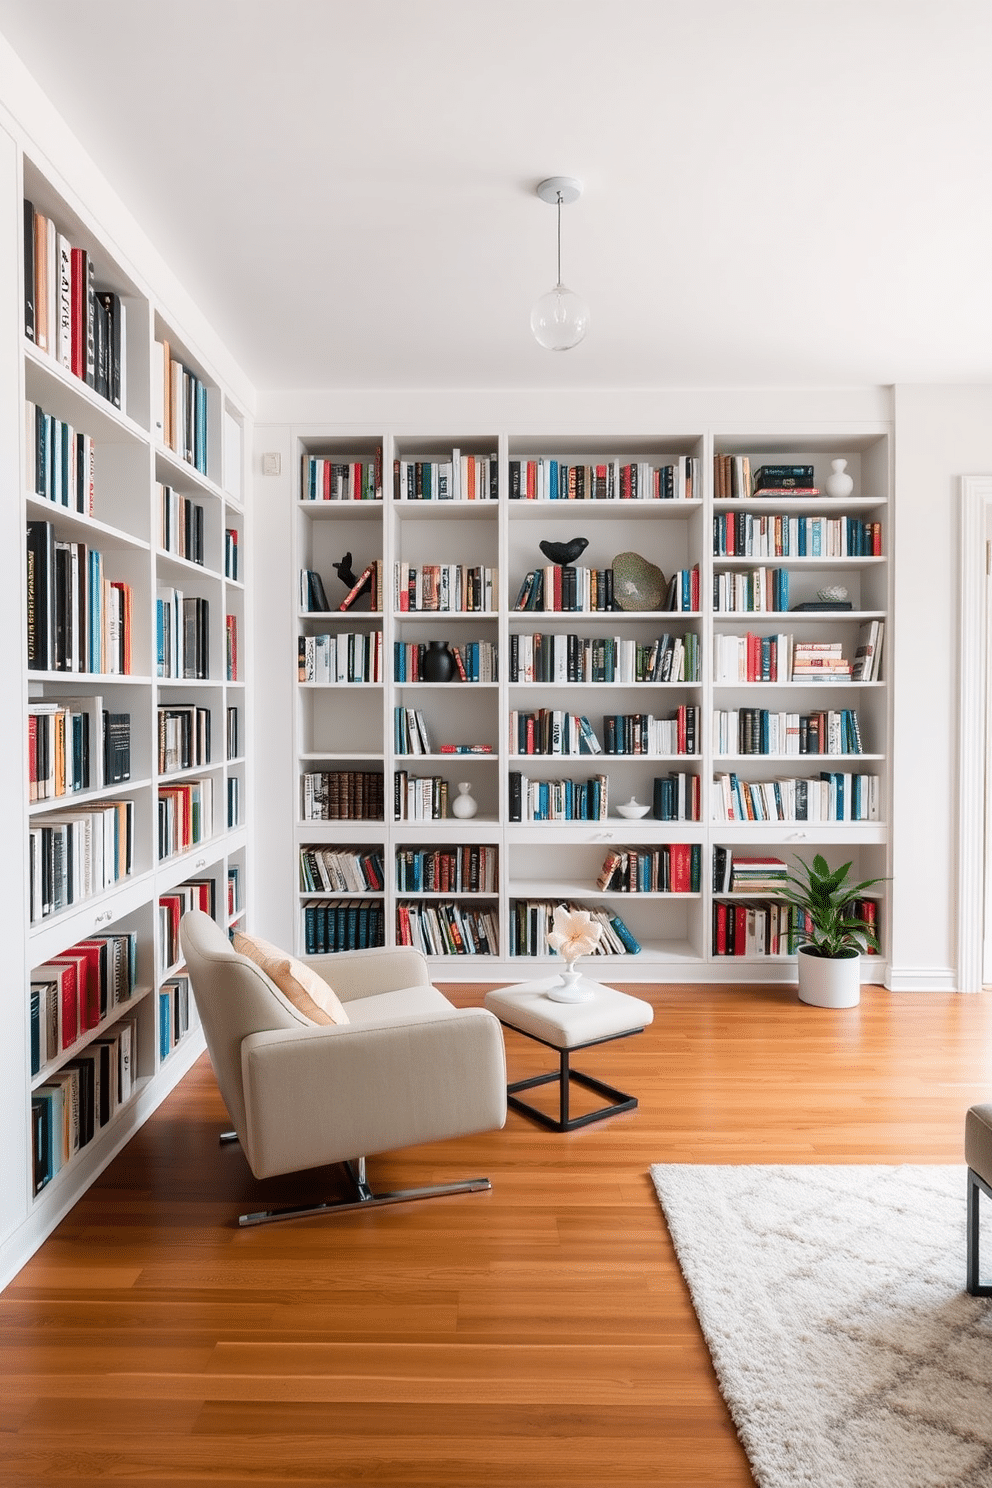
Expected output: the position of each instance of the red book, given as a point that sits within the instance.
(326, 483)
(740, 929)
(679, 867)
(73, 992)
(92, 991)
(680, 730)
(80, 272)
(721, 928)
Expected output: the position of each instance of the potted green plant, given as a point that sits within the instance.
(834, 935)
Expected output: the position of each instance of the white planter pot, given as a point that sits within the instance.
(829, 981)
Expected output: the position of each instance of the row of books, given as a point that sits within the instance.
(671, 868)
(833, 796)
(183, 737)
(744, 873)
(531, 919)
(445, 588)
(770, 928)
(195, 893)
(72, 993)
(232, 568)
(80, 1098)
(326, 479)
(340, 871)
(765, 731)
(734, 480)
(77, 854)
(179, 398)
(76, 745)
(342, 925)
(447, 928)
(744, 535)
(558, 588)
(173, 1014)
(61, 462)
(78, 620)
(558, 800)
(683, 591)
(644, 733)
(677, 796)
(819, 661)
(185, 816)
(342, 795)
(182, 635)
(368, 584)
(555, 657)
(547, 479)
(344, 657)
(475, 661)
(81, 327)
(462, 478)
(551, 731)
(472, 868)
(757, 590)
(180, 524)
(419, 797)
(410, 732)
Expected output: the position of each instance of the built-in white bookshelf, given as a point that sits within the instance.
(600, 672)
(131, 792)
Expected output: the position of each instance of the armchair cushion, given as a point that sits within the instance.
(300, 984)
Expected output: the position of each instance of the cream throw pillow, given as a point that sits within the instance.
(308, 992)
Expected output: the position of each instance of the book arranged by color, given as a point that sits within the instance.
(750, 590)
(195, 893)
(733, 479)
(471, 868)
(819, 661)
(672, 868)
(748, 873)
(185, 816)
(66, 747)
(531, 919)
(180, 525)
(643, 733)
(557, 587)
(764, 731)
(745, 534)
(832, 796)
(772, 928)
(447, 928)
(351, 924)
(751, 658)
(327, 479)
(341, 795)
(173, 1014)
(340, 870)
(78, 1099)
(179, 407)
(556, 657)
(548, 479)
(551, 731)
(78, 619)
(677, 796)
(444, 587)
(475, 661)
(60, 462)
(234, 902)
(419, 797)
(77, 990)
(344, 657)
(683, 591)
(558, 800)
(465, 477)
(76, 854)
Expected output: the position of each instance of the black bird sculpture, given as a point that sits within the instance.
(345, 572)
(564, 552)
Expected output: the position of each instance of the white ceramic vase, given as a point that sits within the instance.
(464, 805)
(829, 981)
(572, 987)
(839, 483)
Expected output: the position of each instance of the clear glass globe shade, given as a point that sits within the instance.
(560, 319)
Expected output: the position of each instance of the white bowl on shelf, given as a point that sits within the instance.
(633, 809)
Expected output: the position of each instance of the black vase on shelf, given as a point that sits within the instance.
(438, 665)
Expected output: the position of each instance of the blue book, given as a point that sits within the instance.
(628, 940)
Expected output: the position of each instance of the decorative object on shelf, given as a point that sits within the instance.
(438, 665)
(829, 959)
(560, 318)
(345, 572)
(833, 593)
(464, 805)
(638, 584)
(633, 809)
(838, 483)
(575, 934)
(563, 552)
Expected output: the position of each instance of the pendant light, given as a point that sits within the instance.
(560, 318)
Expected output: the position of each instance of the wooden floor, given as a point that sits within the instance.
(537, 1335)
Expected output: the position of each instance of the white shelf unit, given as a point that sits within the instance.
(130, 463)
(351, 726)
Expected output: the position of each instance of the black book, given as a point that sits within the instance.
(29, 271)
(811, 605)
(114, 327)
(101, 349)
(318, 595)
(40, 594)
(783, 476)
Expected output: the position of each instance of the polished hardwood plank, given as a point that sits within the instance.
(540, 1334)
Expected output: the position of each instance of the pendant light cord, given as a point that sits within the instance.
(559, 238)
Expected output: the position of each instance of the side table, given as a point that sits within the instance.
(567, 1027)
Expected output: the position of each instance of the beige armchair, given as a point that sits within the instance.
(404, 1067)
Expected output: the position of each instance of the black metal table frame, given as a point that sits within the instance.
(617, 1100)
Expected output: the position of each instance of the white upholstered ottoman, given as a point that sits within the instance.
(567, 1027)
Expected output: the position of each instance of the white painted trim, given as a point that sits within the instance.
(922, 979)
(976, 497)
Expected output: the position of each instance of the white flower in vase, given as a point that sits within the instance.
(575, 934)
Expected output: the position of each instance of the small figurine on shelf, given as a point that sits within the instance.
(563, 552)
(464, 805)
(345, 572)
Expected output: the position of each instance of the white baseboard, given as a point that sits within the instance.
(922, 979)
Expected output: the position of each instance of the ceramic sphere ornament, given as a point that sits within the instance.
(464, 805)
(638, 584)
(838, 482)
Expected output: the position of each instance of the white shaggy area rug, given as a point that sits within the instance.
(833, 1303)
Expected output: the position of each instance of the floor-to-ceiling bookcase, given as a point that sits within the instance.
(390, 748)
(128, 788)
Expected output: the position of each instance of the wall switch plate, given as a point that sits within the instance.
(272, 464)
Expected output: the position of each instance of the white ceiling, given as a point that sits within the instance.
(777, 192)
